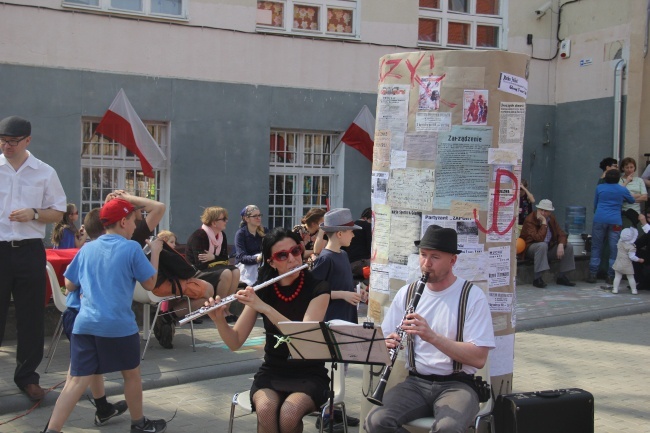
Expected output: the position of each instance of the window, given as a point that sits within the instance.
(158, 8)
(462, 23)
(301, 175)
(330, 18)
(107, 165)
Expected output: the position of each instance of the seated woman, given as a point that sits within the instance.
(65, 234)
(283, 391)
(248, 243)
(207, 249)
(309, 231)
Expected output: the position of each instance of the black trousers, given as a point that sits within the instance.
(22, 275)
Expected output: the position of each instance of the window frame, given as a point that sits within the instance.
(105, 6)
(352, 5)
(445, 16)
(121, 163)
(300, 169)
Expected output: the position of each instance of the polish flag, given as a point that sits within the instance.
(361, 133)
(122, 124)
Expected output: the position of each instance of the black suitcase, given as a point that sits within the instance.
(558, 411)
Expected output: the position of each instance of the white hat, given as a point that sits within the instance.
(629, 235)
(545, 204)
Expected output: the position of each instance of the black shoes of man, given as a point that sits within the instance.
(561, 281)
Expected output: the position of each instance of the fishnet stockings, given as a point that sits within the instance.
(281, 413)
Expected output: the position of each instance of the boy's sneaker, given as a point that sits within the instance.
(338, 426)
(116, 409)
(150, 426)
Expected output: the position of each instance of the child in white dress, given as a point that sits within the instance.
(624, 258)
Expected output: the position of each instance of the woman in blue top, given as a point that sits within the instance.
(248, 243)
(607, 223)
(65, 234)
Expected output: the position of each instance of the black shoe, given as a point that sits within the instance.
(150, 426)
(564, 281)
(538, 282)
(338, 426)
(116, 409)
(591, 279)
(351, 421)
(609, 281)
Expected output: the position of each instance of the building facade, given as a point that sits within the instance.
(248, 98)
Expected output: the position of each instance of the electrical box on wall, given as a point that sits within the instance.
(565, 49)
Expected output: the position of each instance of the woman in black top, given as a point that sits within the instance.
(283, 390)
(207, 250)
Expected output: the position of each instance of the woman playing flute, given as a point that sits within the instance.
(283, 391)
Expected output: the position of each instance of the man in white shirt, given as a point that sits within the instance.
(31, 196)
(441, 379)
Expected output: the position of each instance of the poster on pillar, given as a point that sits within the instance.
(459, 132)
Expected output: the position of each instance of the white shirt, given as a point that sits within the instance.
(440, 309)
(35, 185)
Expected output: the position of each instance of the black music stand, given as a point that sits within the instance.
(336, 341)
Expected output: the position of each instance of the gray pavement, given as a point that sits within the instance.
(605, 357)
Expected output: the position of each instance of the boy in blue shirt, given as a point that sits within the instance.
(333, 266)
(105, 336)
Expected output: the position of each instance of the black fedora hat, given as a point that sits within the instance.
(439, 238)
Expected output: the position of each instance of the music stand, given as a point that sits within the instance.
(336, 341)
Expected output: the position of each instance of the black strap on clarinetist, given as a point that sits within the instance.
(460, 325)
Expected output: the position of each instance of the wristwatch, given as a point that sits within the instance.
(35, 214)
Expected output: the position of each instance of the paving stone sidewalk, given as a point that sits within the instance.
(213, 363)
(606, 358)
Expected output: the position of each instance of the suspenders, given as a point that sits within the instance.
(460, 326)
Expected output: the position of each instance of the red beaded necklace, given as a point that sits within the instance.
(295, 294)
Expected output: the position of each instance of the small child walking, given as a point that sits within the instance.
(624, 258)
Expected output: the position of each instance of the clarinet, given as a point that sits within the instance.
(230, 298)
(378, 395)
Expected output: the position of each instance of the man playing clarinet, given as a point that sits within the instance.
(441, 366)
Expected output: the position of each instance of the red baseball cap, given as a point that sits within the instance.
(114, 211)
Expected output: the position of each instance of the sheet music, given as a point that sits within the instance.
(352, 342)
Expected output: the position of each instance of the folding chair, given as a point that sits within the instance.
(147, 298)
(243, 401)
(59, 303)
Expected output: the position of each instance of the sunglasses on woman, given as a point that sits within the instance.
(281, 256)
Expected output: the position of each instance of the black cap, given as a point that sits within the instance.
(441, 239)
(15, 126)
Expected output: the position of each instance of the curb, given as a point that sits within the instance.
(581, 317)
(19, 402)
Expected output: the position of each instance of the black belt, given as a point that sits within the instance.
(21, 243)
(457, 377)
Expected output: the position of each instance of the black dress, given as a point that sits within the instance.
(278, 372)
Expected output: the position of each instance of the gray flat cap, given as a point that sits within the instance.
(15, 126)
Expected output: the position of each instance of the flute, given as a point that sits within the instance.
(230, 298)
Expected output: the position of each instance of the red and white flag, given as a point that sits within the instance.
(122, 124)
(361, 134)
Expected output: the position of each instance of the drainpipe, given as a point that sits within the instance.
(647, 29)
(618, 102)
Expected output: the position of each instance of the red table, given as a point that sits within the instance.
(59, 259)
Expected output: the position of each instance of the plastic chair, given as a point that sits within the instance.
(484, 412)
(243, 400)
(59, 303)
(147, 298)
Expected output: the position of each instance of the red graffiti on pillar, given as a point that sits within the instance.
(498, 204)
(432, 61)
(412, 68)
(394, 64)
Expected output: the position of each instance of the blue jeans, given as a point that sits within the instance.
(598, 233)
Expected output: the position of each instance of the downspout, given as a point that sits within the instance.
(618, 103)
(647, 27)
